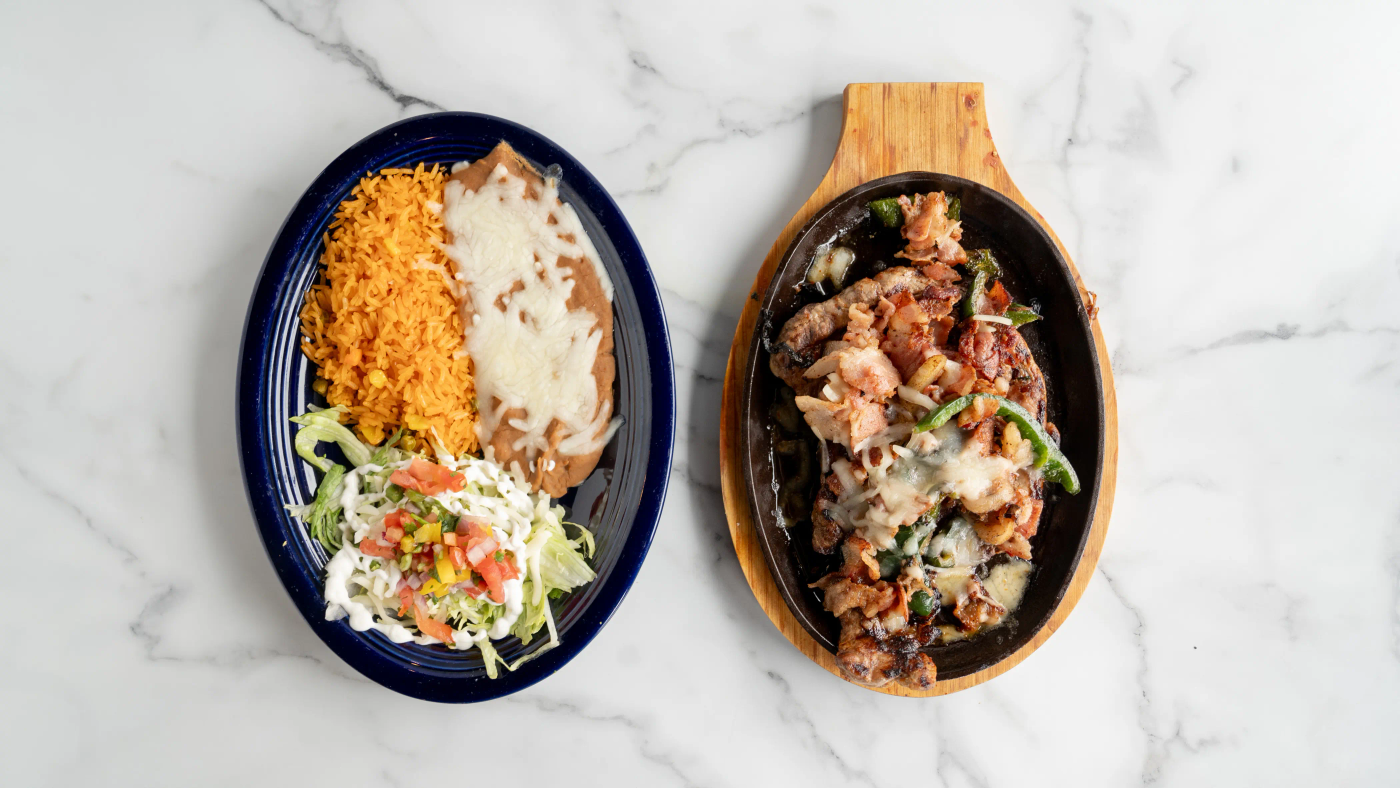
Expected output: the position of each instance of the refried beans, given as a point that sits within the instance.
(543, 354)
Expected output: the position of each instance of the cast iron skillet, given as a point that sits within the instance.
(1035, 272)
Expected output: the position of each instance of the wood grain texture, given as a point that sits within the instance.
(889, 129)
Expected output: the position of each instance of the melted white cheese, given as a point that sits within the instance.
(1006, 583)
(940, 462)
(528, 349)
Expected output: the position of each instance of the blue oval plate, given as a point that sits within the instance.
(620, 502)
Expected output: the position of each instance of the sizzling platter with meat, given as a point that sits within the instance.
(914, 471)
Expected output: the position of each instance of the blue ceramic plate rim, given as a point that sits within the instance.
(301, 228)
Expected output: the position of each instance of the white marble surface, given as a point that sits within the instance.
(1222, 173)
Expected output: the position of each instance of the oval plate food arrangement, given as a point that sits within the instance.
(619, 501)
(906, 139)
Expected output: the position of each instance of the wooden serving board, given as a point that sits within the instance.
(888, 129)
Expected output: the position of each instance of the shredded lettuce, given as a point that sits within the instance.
(552, 563)
(489, 655)
(562, 565)
(324, 425)
(323, 518)
(531, 619)
(387, 453)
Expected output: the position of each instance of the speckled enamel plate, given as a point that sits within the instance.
(621, 501)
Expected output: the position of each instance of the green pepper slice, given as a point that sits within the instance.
(983, 261)
(984, 267)
(890, 561)
(921, 604)
(902, 535)
(429, 505)
(887, 211)
(1048, 456)
(1020, 314)
(954, 212)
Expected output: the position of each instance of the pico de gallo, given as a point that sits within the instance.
(451, 552)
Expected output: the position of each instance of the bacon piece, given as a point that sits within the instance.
(908, 341)
(860, 327)
(867, 418)
(1018, 545)
(940, 272)
(928, 231)
(980, 349)
(847, 422)
(869, 371)
(1028, 517)
(996, 299)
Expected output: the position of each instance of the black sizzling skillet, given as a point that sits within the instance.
(781, 466)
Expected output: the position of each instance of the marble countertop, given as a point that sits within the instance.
(1223, 174)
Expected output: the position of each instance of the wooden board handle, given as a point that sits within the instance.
(889, 128)
(893, 128)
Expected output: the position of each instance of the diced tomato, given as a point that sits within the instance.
(430, 626)
(458, 556)
(509, 570)
(394, 525)
(427, 478)
(472, 589)
(476, 534)
(402, 479)
(470, 524)
(490, 572)
(405, 598)
(370, 547)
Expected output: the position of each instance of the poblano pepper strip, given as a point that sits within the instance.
(1020, 314)
(984, 268)
(921, 604)
(887, 211)
(1048, 457)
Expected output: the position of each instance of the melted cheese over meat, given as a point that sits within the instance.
(902, 486)
(529, 350)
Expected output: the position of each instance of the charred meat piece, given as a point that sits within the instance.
(1027, 382)
(977, 608)
(840, 594)
(826, 529)
(876, 661)
(801, 341)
